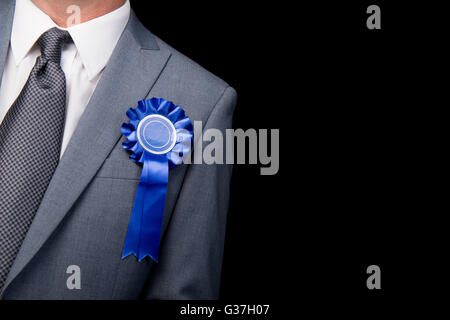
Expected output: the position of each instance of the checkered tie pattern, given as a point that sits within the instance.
(30, 143)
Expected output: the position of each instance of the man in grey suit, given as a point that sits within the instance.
(79, 182)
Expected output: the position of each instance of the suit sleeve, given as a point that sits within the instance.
(191, 250)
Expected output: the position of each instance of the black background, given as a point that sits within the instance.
(350, 103)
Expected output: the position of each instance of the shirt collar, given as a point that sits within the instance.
(95, 39)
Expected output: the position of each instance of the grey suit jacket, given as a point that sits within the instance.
(83, 218)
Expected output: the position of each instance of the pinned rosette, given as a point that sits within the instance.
(159, 135)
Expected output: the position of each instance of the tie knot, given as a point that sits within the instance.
(51, 43)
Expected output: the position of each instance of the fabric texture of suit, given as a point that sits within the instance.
(83, 218)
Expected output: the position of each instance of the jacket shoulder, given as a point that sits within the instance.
(184, 81)
(185, 76)
(185, 66)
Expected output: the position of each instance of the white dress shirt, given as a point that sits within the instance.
(82, 61)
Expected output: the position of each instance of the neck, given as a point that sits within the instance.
(66, 13)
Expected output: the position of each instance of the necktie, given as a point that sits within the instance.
(30, 144)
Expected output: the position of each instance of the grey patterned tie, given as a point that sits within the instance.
(30, 143)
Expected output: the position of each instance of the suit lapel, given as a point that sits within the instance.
(132, 71)
(6, 17)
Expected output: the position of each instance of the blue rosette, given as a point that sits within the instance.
(159, 135)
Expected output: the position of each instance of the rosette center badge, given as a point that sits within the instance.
(157, 134)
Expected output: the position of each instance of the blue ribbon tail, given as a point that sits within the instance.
(144, 231)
